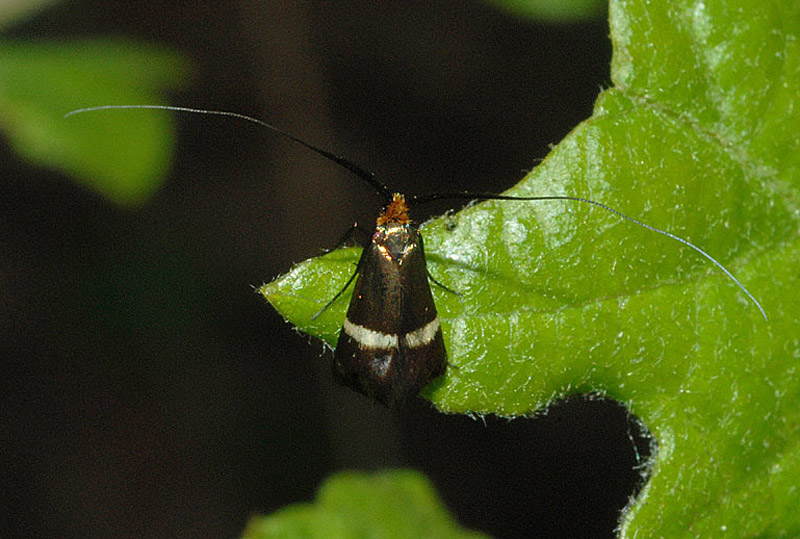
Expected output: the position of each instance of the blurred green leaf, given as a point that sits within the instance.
(700, 135)
(396, 503)
(124, 156)
(553, 10)
(13, 11)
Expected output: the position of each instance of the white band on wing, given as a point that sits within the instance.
(422, 336)
(368, 338)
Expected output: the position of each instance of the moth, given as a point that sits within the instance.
(391, 345)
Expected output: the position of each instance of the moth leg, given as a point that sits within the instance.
(347, 236)
(446, 289)
(338, 294)
(344, 239)
(440, 285)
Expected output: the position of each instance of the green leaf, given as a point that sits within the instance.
(553, 10)
(14, 11)
(700, 135)
(397, 503)
(125, 160)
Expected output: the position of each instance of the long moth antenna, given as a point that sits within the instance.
(487, 196)
(362, 173)
(371, 178)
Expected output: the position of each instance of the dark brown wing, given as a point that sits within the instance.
(390, 345)
(421, 342)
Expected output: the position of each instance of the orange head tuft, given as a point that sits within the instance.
(395, 212)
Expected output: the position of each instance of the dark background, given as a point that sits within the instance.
(147, 391)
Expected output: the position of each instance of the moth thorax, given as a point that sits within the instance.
(395, 241)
